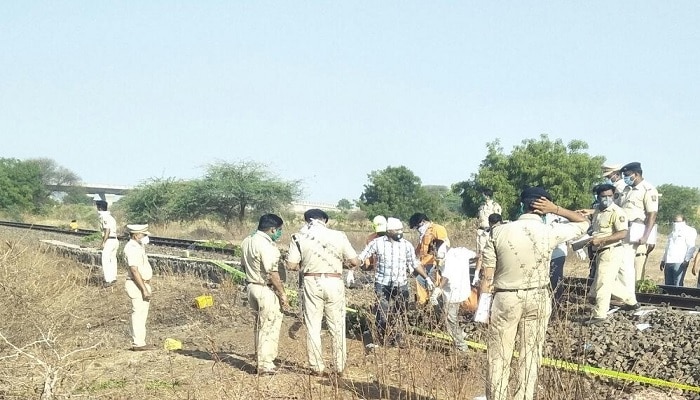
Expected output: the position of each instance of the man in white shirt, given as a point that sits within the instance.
(680, 249)
(454, 288)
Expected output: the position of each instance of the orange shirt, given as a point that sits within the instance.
(434, 232)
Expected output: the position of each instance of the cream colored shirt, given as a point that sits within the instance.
(520, 251)
(107, 221)
(260, 257)
(606, 222)
(135, 255)
(486, 209)
(639, 200)
(323, 250)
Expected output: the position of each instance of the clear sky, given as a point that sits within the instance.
(327, 92)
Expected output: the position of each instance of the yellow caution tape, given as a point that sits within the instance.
(550, 362)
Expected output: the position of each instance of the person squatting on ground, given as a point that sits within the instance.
(394, 255)
(137, 284)
(640, 200)
(609, 230)
(266, 294)
(318, 253)
(109, 244)
(516, 271)
(454, 288)
(429, 234)
(680, 249)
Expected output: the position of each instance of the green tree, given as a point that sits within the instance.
(54, 174)
(450, 202)
(678, 200)
(344, 205)
(155, 201)
(397, 192)
(229, 191)
(566, 171)
(22, 186)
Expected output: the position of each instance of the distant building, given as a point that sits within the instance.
(302, 206)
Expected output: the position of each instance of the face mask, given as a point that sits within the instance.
(629, 180)
(422, 229)
(276, 236)
(678, 225)
(144, 240)
(605, 202)
(396, 236)
(608, 181)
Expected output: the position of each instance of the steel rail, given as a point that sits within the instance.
(154, 240)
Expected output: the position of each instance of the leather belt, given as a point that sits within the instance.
(608, 248)
(497, 290)
(259, 284)
(324, 274)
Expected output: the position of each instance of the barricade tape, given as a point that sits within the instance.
(550, 362)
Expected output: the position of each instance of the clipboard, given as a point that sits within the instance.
(636, 231)
(483, 310)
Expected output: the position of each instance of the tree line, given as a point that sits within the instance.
(231, 191)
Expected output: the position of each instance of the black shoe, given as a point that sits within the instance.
(594, 321)
(630, 307)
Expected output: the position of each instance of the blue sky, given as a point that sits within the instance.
(327, 92)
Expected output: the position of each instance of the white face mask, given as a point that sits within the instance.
(422, 229)
(144, 240)
(678, 225)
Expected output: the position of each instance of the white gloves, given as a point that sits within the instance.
(429, 284)
(350, 278)
(435, 295)
(475, 281)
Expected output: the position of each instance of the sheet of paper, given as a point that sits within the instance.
(581, 242)
(642, 313)
(642, 327)
(636, 232)
(483, 309)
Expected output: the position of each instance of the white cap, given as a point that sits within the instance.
(138, 228)
(393, 224)
(379, 223)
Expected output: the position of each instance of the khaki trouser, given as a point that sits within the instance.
(109, 259)
(325, 296)
(139, 313)
(606, 284)
(640, 257)
(524, 313)
(627, 275)
(266, 308)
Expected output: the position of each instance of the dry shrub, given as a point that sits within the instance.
(42, 334)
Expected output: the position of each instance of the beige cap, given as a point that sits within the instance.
(608, 169)
(138, 228)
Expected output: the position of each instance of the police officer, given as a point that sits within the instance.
(516, 271)
(640, 200)
(319, 253)
(109, 244)
(137, 284)
(609, 232)
(266, 294)
(488, 207)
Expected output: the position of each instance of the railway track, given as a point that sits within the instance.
(682, 298)
(154, 240)
(672, 296)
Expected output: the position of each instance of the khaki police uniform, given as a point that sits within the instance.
(609, 260)
(135, 255)
(425, 255)
(109, 250)
(260, 258)
(489, 207)
(519, 252)
(320, 253)
(637, 201)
